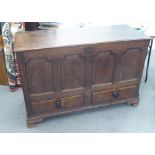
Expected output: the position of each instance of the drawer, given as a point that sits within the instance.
(115, 94)
(57, 104)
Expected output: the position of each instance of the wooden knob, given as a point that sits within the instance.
(58, 104)
(115, 94)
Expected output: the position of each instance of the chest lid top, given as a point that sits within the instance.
(62, 37)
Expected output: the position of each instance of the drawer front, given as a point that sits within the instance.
(57, 104)
(115, 94)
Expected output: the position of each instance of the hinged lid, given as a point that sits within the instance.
(75, 36)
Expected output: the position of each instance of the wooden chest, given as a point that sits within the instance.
(68, 70)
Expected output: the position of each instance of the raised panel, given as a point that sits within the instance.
(107, 96)
(50, 105)
(130, 64)
(40, 75)
(103, 67)
(72, 101)
(72, 71)
(101, 97)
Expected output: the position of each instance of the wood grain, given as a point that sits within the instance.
(75, 36)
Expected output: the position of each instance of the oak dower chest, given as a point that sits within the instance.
(68, 70)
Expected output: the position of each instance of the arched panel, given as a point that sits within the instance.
(130, 64)
(103, 67)
(40, 75)
(72, 71)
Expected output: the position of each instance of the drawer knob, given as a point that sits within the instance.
(58, 104)
(115, 94)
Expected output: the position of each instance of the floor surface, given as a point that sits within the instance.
(113, 119)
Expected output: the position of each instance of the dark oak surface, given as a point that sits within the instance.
(75, 36)
(75, 70)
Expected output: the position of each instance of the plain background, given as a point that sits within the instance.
(75, 11)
